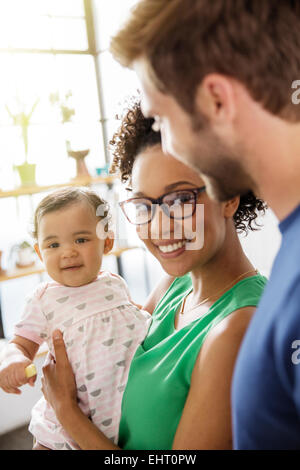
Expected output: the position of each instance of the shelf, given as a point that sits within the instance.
(18, 272)
(84, 181)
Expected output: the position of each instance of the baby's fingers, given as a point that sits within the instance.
(16, 379)
(31, 374)
(8, 387)
(31, 381)
(14, 390)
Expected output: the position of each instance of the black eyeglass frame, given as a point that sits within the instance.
(159, 202)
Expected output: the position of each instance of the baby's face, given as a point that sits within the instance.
(69, 246)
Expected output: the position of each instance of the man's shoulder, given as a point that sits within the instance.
(289, 314)
(291, 223)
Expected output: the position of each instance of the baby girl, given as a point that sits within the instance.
(102, 327)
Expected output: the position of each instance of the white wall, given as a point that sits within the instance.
(262, 246)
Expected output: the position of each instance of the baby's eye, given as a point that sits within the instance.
(81, 240)
(54, 245)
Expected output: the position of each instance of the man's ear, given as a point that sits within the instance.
(215, 98)
(109, 242)
(230, 207)
(37, 250)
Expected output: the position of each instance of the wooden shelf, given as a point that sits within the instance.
(84, 181)
(20, 272)
(39, 269)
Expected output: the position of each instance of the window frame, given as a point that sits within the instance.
(91, 51)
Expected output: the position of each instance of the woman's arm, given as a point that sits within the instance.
(83, 431)
(59, 388)
(206, 418)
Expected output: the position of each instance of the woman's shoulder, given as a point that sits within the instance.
(232, 312)
(235, 310)
(248, 291)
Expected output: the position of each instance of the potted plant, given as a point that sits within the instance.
(24, 254)
(67, 112)
(22, 118)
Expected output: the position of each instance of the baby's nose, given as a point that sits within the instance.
(69, 252)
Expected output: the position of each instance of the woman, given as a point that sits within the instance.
(178, 390)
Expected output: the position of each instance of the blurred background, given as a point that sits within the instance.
(60, 91)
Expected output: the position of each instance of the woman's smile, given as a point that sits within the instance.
(171, 248)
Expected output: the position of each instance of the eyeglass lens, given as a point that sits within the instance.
(177, 205)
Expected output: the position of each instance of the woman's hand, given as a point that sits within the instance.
(58, 383)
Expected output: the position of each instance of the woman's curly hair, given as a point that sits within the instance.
(135, 134)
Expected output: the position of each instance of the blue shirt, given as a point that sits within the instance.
(266, 382)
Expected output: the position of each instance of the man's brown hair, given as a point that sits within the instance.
(256, 42)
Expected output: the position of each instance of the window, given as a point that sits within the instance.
(44, 51)
(54, 53)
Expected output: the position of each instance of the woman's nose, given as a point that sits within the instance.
(161, 225)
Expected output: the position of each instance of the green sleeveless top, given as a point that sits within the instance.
(160, 373)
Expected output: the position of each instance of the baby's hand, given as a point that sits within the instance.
(13, 375)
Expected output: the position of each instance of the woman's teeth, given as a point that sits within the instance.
(170, 248)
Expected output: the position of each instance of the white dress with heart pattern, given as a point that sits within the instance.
(102, 330)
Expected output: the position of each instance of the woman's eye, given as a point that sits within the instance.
(141, 208)
(81, 240)
(183, 199)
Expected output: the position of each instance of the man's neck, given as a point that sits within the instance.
(278, 170)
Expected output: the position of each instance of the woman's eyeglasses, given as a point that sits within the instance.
(177, 205)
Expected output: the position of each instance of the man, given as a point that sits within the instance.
(220, 78)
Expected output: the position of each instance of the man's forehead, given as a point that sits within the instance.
(151, 97)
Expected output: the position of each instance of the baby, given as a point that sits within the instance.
(102, 328)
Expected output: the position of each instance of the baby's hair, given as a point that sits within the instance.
(64, 197)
